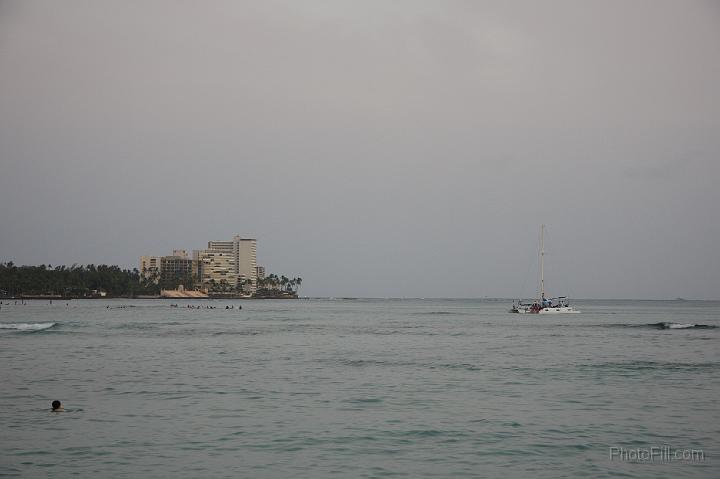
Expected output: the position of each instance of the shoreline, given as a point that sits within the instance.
(37, 297)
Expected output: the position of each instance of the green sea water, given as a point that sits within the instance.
(324, 388)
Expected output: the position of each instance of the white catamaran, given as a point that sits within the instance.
(543, 305)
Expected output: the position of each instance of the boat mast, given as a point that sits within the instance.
(542, 262)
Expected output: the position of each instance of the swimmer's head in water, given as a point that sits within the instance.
(56, 405)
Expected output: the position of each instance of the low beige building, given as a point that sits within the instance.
(150, 268)
(182, 293)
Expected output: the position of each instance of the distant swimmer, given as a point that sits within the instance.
(57, 406)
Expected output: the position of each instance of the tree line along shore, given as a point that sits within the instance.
(111, 281)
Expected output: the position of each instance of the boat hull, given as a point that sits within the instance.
(559, 310)
(550, 310)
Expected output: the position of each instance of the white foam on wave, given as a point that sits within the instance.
(680, 326)
(27, 326)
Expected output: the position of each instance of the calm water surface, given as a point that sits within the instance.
(356, 388)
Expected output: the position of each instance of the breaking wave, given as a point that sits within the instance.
(671, 325)
(660, 325)
(27, 326)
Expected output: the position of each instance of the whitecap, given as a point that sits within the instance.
(682, 326)
(27, 326)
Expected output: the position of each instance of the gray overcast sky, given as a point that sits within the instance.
(375, 148)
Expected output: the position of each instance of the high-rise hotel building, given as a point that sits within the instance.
(217, 268)
(231, 261)
(223, 263)
(166, 267)
(179, 265)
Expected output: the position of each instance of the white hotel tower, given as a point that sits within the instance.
(241, 261)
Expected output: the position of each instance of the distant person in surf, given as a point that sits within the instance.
(57, 406)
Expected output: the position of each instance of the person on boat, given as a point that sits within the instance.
(57, 406)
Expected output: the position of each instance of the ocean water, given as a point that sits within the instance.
(357, 388)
